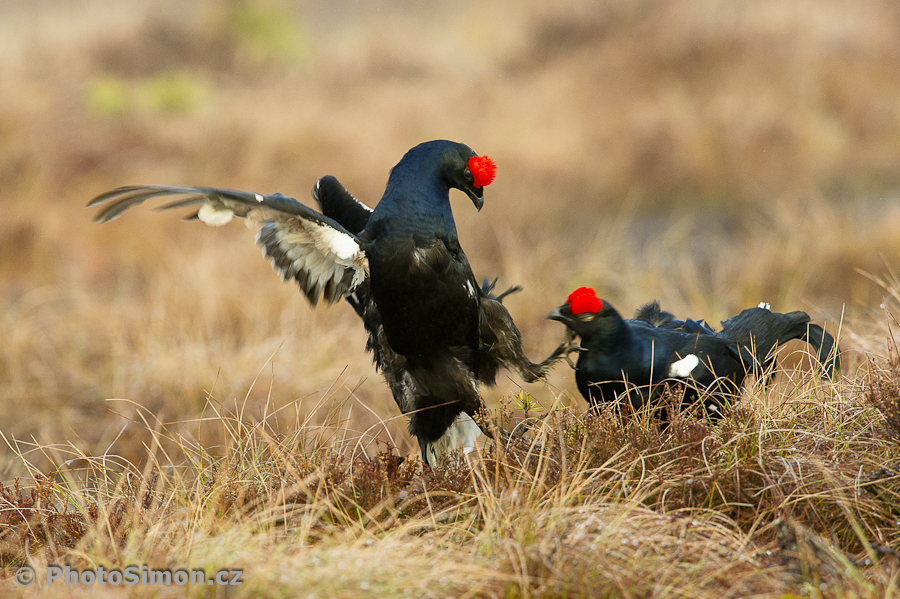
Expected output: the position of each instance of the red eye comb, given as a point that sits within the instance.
(483, 170)
(584, 299)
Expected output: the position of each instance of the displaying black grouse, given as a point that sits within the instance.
(632, 358)
(435, 333)
(500, 343)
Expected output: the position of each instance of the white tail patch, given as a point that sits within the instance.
(462, 434)
(683, 367)
(213, 217)
(765, 306)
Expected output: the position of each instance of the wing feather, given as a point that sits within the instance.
(336, 202)
(302, 244)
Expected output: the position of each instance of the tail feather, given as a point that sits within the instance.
(826, 350)
(763, 331)
(462, 434)
(653, 314)
(337, 203)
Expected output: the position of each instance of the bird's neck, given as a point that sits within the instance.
(612, 336)
(422, 211)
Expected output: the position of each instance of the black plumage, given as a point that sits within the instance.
(632, 359)
(435, 333)
(499, 342)
(759, 330)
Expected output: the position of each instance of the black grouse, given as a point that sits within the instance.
(500, 343)
(631, 359)
(435, 333)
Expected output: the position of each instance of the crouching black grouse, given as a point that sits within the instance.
(435, 333)
(631, 359)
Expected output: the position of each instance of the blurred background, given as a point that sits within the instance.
(711, 154)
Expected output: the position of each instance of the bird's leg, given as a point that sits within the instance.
(506, 346)
(496, 431)
(571, 347)
(561, 352)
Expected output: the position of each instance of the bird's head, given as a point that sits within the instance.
(583, 312)
(468, 172)
(444, 164)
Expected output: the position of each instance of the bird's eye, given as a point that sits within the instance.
(468, 174)
(587, 317)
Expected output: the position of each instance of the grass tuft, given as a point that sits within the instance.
(768, 501)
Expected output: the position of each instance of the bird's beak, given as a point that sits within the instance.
(559, 315)
(476, 194)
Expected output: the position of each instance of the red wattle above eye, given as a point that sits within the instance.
(483, 170)
(584, 299)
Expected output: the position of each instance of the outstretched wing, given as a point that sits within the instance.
(337, 203)
(320, 254)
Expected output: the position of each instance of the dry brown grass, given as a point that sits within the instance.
(771, 502)
(709, 154)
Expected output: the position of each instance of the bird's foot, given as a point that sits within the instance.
(572, 348)
(532, 372)
(568, 346)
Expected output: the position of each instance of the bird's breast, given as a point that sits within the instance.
(426, 298)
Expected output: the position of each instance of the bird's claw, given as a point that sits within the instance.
(571, 347)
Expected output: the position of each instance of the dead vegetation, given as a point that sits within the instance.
(767, 502)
